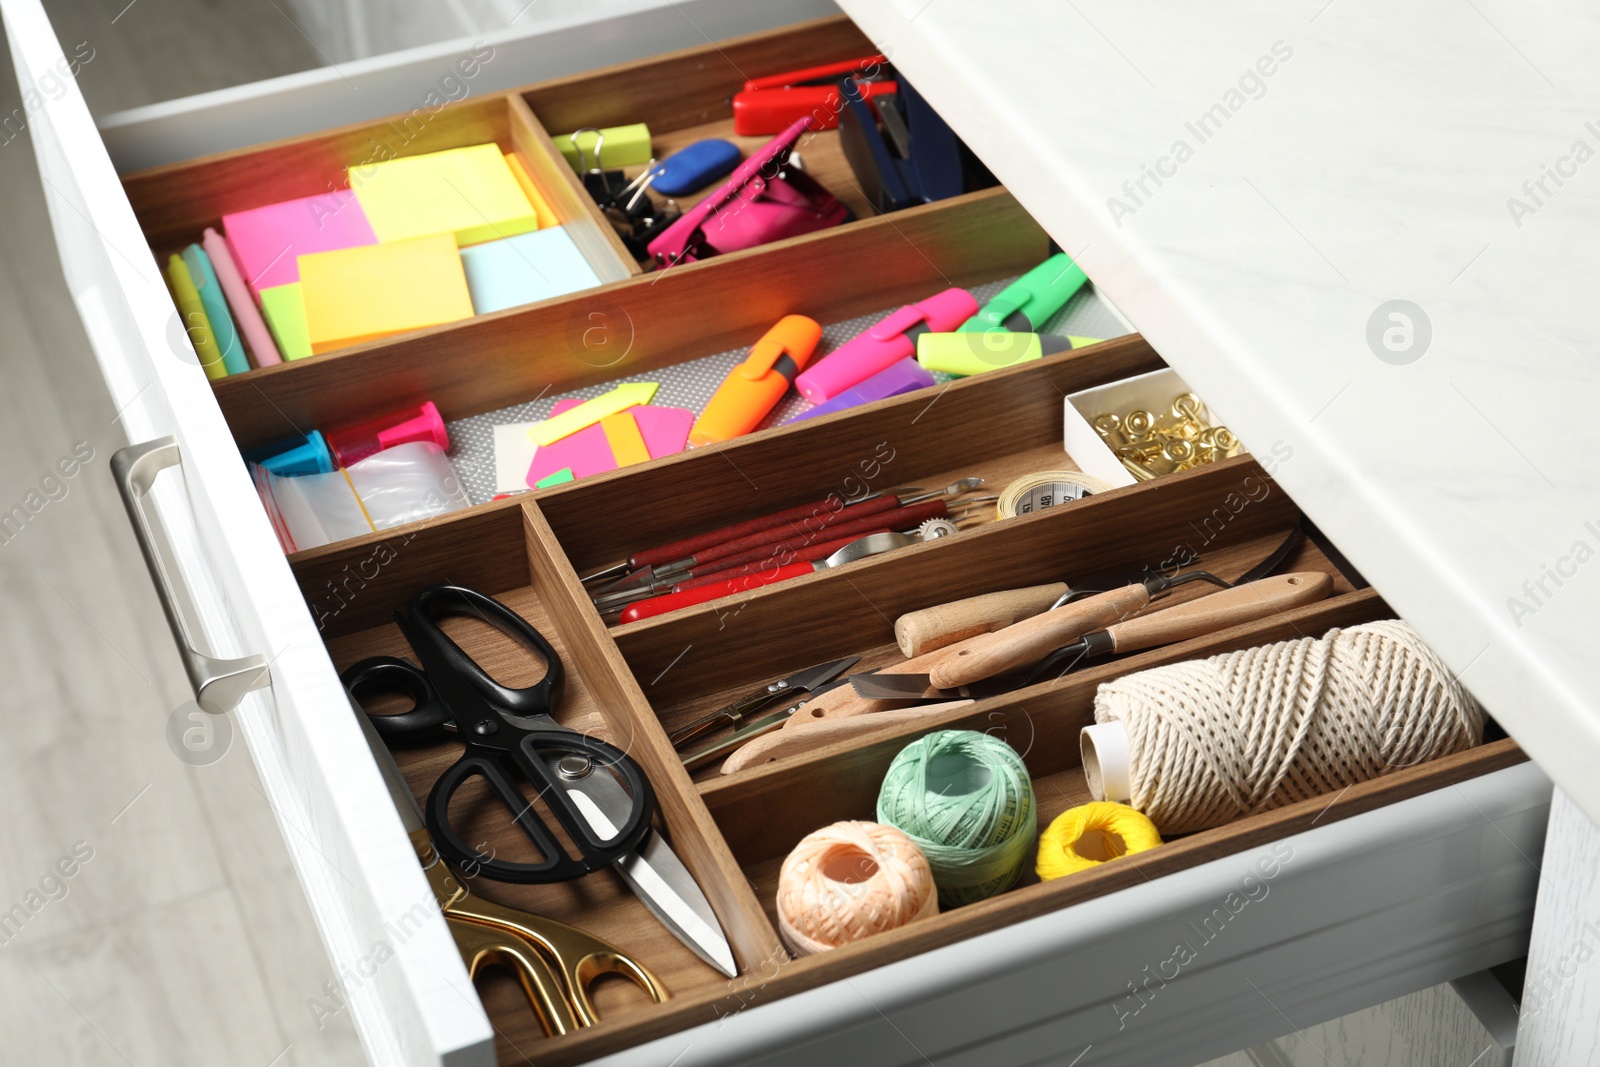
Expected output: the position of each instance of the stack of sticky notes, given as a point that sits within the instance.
(416, 241)
(583, 437)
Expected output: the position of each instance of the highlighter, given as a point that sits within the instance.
(215, 303)
(754, 387)
(1027, 303)
(193, 316)
(885, 344)
(966, 354)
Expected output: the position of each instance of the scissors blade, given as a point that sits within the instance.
(399, 792)
(656, 874)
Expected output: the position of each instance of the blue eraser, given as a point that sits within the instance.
(896, 378)
(695, 167)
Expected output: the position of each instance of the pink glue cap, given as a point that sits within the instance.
(890, 340)
(355, 442)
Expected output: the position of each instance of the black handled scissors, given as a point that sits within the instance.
(506, 734)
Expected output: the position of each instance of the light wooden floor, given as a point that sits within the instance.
(185, 938)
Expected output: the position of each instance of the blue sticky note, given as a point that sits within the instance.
(216, 306)
(521, 269)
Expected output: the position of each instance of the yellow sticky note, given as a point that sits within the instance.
(193, 315)
(627, 443)
(590, 412)
(285, 313)
(547, 217)
(361, 294)
(467, 192)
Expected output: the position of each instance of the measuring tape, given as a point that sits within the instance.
(1046, 489)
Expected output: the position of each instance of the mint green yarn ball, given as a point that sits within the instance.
(966, 800)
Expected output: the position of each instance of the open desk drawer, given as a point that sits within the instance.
(1391, 886)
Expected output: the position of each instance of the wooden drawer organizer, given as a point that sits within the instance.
(631, 683)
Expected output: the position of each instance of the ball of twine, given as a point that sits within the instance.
(965, 799)
(1091, 834)
(848, 881)
(1214, 739)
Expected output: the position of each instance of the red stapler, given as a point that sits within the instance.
(768, 105)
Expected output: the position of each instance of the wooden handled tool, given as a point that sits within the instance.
(924, 630)
(780, 743)
(1033, 638)
(1241, 604)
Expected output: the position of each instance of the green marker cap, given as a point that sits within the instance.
(1036, 295)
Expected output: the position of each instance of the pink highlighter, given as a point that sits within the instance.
(257, 339)
(886, 343)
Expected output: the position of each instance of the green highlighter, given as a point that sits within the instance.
(216, 307)
(1027, 303)
(966, 354)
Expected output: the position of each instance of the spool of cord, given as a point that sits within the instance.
(1091, 834)
(1046, 489)
(849, 881)
(965, 799)
(1198, 744)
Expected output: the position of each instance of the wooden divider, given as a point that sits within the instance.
(579, 214)
(729, 301)
(634, 727)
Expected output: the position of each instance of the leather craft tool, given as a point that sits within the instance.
(754, 387)
(810, 735)
(597, 793)
(870, 545)
(1114, 595)
(885, 343)
(989, 655)
(806, 518)
(770, 104)
(926, 629)
(555, 964)
(1026, 304)
(793, 690)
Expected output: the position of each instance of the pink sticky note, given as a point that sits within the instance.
(665, 430)
(586, 452)
(266, 241)
(257, 338)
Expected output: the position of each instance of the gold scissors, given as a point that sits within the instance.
(555, 963)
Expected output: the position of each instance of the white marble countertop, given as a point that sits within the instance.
(1441, 152)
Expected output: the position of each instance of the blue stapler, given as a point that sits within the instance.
(902, 152)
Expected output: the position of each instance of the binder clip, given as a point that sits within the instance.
(902, 152)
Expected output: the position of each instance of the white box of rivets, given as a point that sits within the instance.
(1153, 392)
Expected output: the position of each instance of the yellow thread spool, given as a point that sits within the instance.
(1092, 834)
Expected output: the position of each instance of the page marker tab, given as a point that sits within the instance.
(623, 397)
(627, 443)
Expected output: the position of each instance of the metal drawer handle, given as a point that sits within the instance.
(219, 684)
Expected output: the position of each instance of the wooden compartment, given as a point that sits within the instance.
(687, 96)
(1225, 518)
(175, 203)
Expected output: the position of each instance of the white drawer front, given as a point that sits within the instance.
(345, 838)
(1348, 915)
